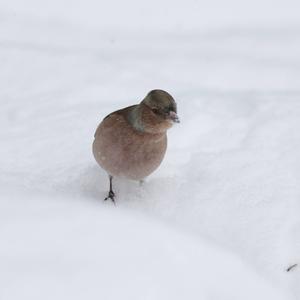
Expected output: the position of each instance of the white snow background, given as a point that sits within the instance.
(219, 219)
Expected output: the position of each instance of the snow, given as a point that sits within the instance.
(66, 249)
(219, 219)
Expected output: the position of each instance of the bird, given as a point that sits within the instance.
(131, 142)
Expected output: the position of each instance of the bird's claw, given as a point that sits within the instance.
(111, 195)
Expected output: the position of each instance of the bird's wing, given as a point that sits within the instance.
(122, 112)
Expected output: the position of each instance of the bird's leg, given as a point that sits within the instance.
(111, 194)
(141, 182)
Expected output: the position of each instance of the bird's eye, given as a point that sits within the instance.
(155, 110)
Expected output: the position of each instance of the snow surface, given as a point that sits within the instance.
(219, 219)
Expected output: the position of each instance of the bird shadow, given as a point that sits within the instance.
(92, 183)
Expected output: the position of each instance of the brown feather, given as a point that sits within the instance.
(123, 151)
(132, 142)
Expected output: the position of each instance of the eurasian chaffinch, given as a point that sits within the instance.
(131, 142)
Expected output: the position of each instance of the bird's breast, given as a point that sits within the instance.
(123, 151)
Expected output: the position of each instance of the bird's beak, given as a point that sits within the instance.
(173, 116)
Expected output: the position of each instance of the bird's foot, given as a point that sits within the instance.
(111, 195)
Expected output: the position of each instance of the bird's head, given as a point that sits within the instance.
(160, 108)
